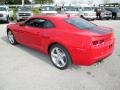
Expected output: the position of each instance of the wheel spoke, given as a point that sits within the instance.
(54, 55)
(10, 37)
(62, 62)
(58, 57)
(57, 51)
(63, 55)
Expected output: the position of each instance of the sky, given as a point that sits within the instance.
(84, 1)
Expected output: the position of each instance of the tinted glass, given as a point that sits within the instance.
(113, 9)
(39, 23)
(87, 9)
(2, 9)
(69, 8)
(35, 23)
(47, 8)
(48, 24)
(80, 23)
(24, 9)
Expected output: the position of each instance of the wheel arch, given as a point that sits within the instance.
(8, 29)
(54, 43)
(50, 45)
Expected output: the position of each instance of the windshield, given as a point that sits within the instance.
(2, 9)
(113, 9)
(70, 8)
(87, 9)
(103, 9)
(24, 9)
(47, 8)
(80, 23)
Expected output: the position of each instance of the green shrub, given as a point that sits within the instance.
(36, 11)
(14, 11)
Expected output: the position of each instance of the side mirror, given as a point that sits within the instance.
(22, 24)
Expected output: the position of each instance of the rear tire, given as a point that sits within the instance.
(81, 16)
(60, 57)
(107, 18)
(8, 19)
(18, 20)
(12, 19)
(11, 38)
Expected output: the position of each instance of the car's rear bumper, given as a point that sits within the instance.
(93, 55)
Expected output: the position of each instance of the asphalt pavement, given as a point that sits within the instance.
(22, 68)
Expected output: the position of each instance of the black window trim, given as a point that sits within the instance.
(39, 27)
(65, 20)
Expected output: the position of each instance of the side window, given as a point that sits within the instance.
(39, 23)
(29, 22)
(48, 24)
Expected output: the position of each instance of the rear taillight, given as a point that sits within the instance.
(98, 42)
(102, 42)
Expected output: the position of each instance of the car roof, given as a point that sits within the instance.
(58, 16)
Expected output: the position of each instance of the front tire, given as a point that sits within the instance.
(18, 20)
(60, 57)
(8, 19)
(11, 38)
(81, 16)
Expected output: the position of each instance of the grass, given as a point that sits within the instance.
(36, 11)
(14, 12)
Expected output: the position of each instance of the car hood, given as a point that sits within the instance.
(89, 12)
(49, 12)
(107, 12)
(73, 12)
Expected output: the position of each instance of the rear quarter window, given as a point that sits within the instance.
(80, 23)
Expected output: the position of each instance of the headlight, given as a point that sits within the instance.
(86, 14)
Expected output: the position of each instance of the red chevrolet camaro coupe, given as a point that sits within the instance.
(67, 40)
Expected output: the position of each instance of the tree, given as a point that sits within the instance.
(26, 1)
(43, 1)
(106, 1)
(14, 1)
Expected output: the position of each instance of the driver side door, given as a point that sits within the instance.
(31, 32)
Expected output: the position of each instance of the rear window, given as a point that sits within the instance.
(80, 23)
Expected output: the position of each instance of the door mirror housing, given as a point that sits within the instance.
(22, 24)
